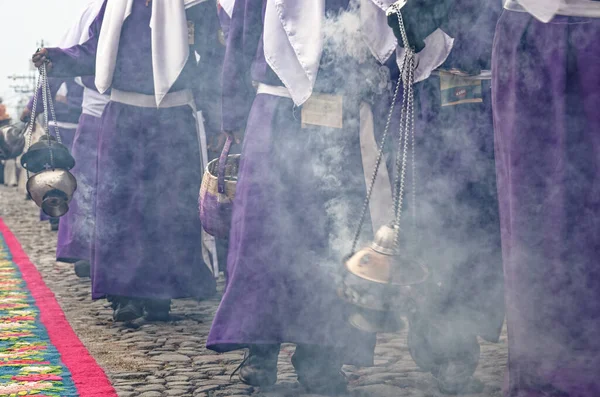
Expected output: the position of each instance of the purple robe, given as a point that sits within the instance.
(77, 225)
(546, 98)
(281, 263)
(147, 237)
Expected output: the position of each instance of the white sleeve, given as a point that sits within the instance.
(437, 48)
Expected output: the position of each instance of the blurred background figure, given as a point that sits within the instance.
(4, 117)
(546, 96)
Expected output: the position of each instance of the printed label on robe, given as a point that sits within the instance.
(323, 110)
(191, 32)
(457, 90)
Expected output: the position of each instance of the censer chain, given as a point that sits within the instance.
(406, 130)
(408, 70)
(375, 170)
(42, 85)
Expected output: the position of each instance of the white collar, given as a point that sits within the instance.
(170, 48)
(227, 6)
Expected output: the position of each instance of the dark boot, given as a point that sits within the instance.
(82, 269)
(54, 224)
(259, 368)
(126, 309)
(157, 309)
(319, 370)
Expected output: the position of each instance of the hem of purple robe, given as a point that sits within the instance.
(139, 295)
(67, 259)
(366, 359)
(71, 253)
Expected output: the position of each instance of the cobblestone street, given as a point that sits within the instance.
(170, 359)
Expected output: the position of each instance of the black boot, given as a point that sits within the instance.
(82, 269)
(126, 309)
(157, 309)
(319, 370)
(259, 368)
(54, 224)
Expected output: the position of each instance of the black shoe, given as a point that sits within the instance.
(319, 370)
(126, 309)
(82, 269)
(54, 224)
(259, 367)
(157, 309)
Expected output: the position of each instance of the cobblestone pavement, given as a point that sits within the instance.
(170, 359)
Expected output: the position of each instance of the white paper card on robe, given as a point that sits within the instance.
(323, 110)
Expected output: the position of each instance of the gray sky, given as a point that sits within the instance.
(23, 23)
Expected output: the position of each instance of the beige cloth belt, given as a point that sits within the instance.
(381, 204)
(93, 102)
(273, 90)
(569, 8)
(171, 100)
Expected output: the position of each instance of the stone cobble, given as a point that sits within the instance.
(145, 359)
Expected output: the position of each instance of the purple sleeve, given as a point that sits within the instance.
(79, 60)
(244, 36)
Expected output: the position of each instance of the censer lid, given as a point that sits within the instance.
(47, 153)
(380, 268)
(384, 240)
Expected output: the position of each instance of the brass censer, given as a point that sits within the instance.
(51, 186)
(384, 283)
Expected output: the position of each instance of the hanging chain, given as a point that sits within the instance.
(49, 104)
(406, 130)
(414, 167)
(43, 85)
(376, 170)
(407, 108)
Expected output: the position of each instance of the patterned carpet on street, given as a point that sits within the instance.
(40, 355)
